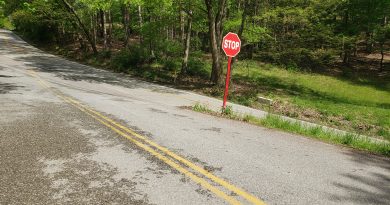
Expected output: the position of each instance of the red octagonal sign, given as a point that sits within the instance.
(231, 44)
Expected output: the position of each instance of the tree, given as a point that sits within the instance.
(176, 34)
(215, 15)
(184, 66)
(381, 36)
(81, 25)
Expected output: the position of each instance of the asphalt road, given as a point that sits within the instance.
(72, 134)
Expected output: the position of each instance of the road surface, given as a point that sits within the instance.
(72, 134)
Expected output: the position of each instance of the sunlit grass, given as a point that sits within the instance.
(361, 102)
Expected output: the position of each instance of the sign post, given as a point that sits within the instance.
(231, 45)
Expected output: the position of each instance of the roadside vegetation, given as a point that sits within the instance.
(317, 132)
(323, 61)
(4, 20)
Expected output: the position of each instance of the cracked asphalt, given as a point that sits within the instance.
(53, 153)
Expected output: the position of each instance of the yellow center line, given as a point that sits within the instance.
(169, 162)
(207, 174)
(117, 127)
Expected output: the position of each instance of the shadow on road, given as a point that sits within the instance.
(76, 72)
(373, 187)
(69, 70)
(8, 87)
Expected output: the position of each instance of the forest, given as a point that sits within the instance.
(324, 61)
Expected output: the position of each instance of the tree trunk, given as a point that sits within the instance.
(215, 32)
(182, 32)
(382, 57)
(243, 18)
(140, 23)
(346, 57)
(126, 23)
(109, 39)
(216, 72)
(104, 28)
(81, 25)
(93, 26)
(242, 25)
(102, 22)
(184, 66)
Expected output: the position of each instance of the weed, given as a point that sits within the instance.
(228, 111)
(201, 108)
(318, 132)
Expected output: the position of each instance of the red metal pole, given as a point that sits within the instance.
(227, 83)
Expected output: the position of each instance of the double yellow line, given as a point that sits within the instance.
(198, 174)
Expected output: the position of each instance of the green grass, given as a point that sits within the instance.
(356, 104)
(201, 108)
(5, 23)
(317, 132)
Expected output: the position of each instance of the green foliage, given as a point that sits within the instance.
(301, 34)
(228, 111)
(4, 20)
(40, 20)
(256, 34)
(197, 67)
(359, 103)
(201, 108)
(168, 48)
(133, 57)
(171, 64)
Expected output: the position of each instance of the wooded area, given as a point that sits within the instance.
(301, 34)
(345, 42)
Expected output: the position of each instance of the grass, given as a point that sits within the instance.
(317, 132)
(201, 108)
(5, 23)
(358, 104)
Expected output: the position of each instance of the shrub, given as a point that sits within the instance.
(323, 56)
(32, 27)
(171, 64)
(168, 48)
(197, 67)
(304, 58)
(129, 58)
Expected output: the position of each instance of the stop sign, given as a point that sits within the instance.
(231, 44)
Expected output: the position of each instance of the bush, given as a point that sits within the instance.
(269, 57)
(305, 58)
(171, 64)
(324, 57)
(129, 58)
(32, 27)
(168, 48)
(299, 58)
(197, 67)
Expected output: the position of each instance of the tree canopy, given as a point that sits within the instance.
(303, 34)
